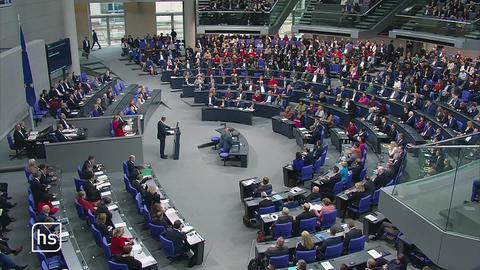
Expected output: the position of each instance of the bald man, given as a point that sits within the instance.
(315, 195)
(284, 218)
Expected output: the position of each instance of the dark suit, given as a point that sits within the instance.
(64, 124)
(276, 251)
(39, 191)
(352, 234)
(308, 159)
(161, 134)
(104, 231)
(329, 242)
(381, 180)
(60, 136)
(265, 203)
(313, 196)
(103, 209)
(86, 46)
(261, 188)
(19, 139)
(283, 219)
(93, 194)
(132, 170)
(179, 240)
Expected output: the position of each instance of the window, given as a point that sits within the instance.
(169, 16)
(107, 19)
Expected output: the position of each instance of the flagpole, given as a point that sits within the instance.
(30, 108)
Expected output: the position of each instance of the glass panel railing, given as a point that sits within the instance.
(438, 26)
(441, 182)
(243, 17)
(315, 14)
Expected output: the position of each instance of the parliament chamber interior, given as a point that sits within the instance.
(240, 134)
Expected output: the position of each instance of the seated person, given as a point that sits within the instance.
(91, 192)
(101, 226)
(264, 186)
(266, 201)
(212, 100)
(278, 250)
(121, 247)
(64, 123)
(356, 168)
(330, 180)
(20, 139)
(332, 240)
(300, 109)
(86, 205)
(352, 233)
(257, 97)
(338, 101)
(382, 178)
(59, 135)
(298, 162)
(151, 196)
(326, 208)
(306, 242)
(314, 195)
(306, 214)
(158, 215)
(284, 218)
(308, 159)
(96, 112)
(344, 173)
(179, 239)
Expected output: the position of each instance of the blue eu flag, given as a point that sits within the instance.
(27, 73)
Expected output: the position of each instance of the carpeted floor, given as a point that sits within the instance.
(202, 189)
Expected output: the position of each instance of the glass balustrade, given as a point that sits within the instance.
(440, 182)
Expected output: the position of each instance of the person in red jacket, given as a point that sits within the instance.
(351, 130)
(121, 248)
(86, 205)
(117, 126)
(257, 97)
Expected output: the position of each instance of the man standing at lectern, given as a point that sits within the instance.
(162, 129)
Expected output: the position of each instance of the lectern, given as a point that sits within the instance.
(176, 143)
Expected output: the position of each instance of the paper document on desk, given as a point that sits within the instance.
(136, 247)
(374, 254)
(187, 229)
(74, 113)
(316, 207)
(55, 203)
(98, 173)
(112, 207)
(284, 119)
(119, 225)
(248, 182)
(146, 261)
(32, 137)
(273, 216)
(302, 129)
(277, 197)
(102, 178)
(327, 265)
(127, 128)
(106, 193)
(104, 185)
(64, 234)
(370, 217)
(295, 190)
(193, 238)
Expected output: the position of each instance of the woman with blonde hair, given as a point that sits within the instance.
(121, 247)
(306, 242)
(102, 227)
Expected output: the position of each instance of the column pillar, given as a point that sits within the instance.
(71, 33)
(189, 23)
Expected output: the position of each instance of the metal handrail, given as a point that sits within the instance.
(349, 14)
(436, 144)
(435, 19)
